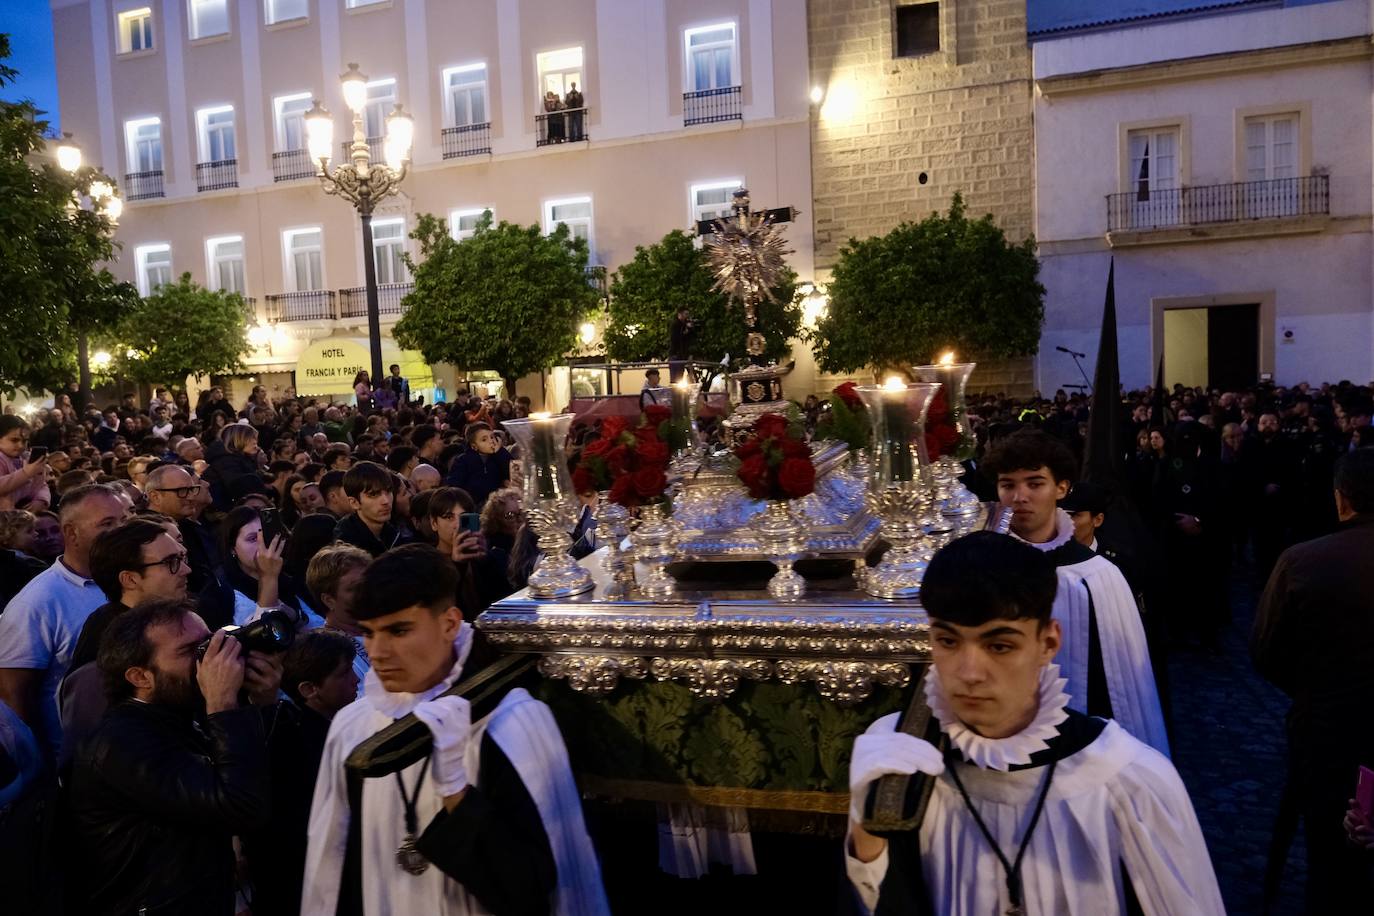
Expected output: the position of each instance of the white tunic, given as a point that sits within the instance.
(1116, 802)
(524, 730)
(1121, 634)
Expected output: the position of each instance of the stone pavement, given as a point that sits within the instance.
(1228, 745)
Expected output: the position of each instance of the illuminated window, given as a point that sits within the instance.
(224, 255)
(285, 10)
(388, 245)
(711, 57)
(136, 30)
(209, 17)
(304, 258)
(216, 127)
(291, 111)
(144, 140)
(712, 200)
(462, 224)
(154, 263)
(576, 213)
(465, 93)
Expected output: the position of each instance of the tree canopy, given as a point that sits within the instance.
(947, 282)
(182, 329)
(51, 286)
(508, 299)
(647, 292)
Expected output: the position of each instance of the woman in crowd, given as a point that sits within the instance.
(232, 458)
(254, 568)
(362, 389)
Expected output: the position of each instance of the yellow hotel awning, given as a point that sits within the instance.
(329, 365)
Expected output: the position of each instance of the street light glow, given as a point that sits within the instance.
(113, 207)
(319, 131)
(400, 133)
(817, 95)
(354, 85)
(68, 154)
(587, 332)
(101, 360)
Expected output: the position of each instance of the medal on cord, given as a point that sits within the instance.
(408, 858)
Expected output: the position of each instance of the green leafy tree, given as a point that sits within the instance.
(182, 329)
(647, 292)
(52, 287)
(947, 282)
(509, 299)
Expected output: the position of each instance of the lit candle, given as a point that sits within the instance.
(897, 428)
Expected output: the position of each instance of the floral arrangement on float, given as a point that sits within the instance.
(775, 465)
(846, 420)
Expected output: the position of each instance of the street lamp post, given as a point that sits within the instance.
(362, 182)
(101, 198)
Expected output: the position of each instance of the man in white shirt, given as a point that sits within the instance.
(1034, 808)
(40, 625)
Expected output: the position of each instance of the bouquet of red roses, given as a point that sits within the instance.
(847, 420)
(942, 432)
(776, 462)
(630, 462)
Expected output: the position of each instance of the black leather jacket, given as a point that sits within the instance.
(154, 802)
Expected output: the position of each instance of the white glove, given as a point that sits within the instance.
(449, 720)
(881, 751)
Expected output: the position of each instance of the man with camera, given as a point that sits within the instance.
(178, 766)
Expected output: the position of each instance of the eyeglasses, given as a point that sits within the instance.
(171, 561)
(181, 492)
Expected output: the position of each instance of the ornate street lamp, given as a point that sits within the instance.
(101, 198)
(360, 181)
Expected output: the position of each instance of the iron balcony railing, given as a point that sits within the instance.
(597, 279)
(1240, 201)
(143, 185)
(566, 126)
(216, 176)
(376, 150)
(468, 140)
(711, 106)
(308, 305)
(289, 165)
(353, 301)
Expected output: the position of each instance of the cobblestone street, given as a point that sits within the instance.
(1228, 745)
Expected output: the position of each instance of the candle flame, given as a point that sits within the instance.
(541, 415)
(682, 383)
(948, 358)
(894, 383)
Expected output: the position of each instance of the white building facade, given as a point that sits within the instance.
(1223, 160)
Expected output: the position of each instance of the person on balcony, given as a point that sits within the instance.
(574, 104)
(554, 122)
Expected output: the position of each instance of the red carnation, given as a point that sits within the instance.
(583, 481)
(848, 392)
(623, 492)
(614, 426)
(596, 447)
(654, 414)
(753, 472)
(653, 451)
(796, 477)
(649, 482)
(770, 425)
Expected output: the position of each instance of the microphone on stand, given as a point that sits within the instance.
(1072, 352)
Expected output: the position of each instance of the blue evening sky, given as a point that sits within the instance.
(29, 26)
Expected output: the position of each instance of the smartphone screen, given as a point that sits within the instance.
(38, 453)
(1364, 792)
(469, 521)
(272, 528)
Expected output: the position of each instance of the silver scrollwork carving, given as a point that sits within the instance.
(711, 679)
(846, 683)
(596, 675)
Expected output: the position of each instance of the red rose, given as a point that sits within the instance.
(770, 425)
(616, 458)
(941, 440)
(653, 452)
(753, 472)
(614, 426)
(797, 477)
(650, 482)
(794, 448)
(596, 447)
(939, 408)
(749, 449)
(848, 392)
(584, 481)
(623, 492)
(654, 414)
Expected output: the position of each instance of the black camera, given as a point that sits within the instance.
(274, 631)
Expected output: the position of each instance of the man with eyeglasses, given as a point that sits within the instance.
(134, 563)
(172, 491)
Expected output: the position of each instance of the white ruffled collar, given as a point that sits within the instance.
(1063, 533)
(397, 705)
(1013, 750)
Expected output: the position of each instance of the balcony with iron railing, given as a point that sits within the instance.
(467, 140)
(291, 165)
(1219, 204)
(307, 305)
(218, 175)
(712, 106)
(143, 185)
(353, 301)
(597, 279)
(566, 126)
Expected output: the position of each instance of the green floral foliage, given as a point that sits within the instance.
(947, 282)
(648, 291)
(182, 329)
(508, 299)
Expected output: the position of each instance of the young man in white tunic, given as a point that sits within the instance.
(1105, 657)
(489, 822)
(1036, 809)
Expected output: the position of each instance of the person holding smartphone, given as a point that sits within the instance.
(22, 478)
